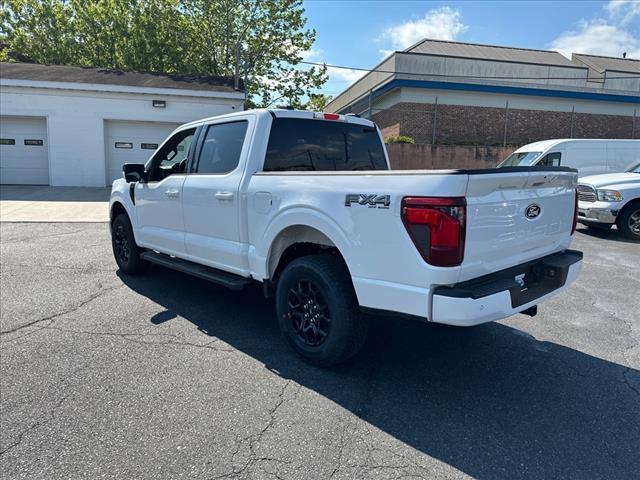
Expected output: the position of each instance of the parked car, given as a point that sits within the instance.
(305, 204)
(589, 157)
(605, 200)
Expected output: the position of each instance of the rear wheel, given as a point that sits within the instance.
(125, 250)
(318, 311)
(628, 221)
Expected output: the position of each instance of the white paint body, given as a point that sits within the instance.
(81, 121)
(246, 232)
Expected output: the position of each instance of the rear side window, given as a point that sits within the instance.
(220, 152)
(321, 145)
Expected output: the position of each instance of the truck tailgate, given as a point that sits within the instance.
(514, 217)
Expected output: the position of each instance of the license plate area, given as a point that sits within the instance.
(525, 282)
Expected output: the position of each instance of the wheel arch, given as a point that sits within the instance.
(296, 241)
(115, 209)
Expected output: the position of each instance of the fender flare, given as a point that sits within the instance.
(296, 216)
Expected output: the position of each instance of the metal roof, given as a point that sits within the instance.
(603, 64)
(72, 74)
(490, 52)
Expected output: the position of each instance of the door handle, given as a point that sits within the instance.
(172, 193)
(224, 195)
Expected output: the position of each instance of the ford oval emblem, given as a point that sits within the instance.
(532, 211)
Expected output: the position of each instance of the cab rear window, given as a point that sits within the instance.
(321, 145)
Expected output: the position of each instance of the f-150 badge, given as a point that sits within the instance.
(370, 200)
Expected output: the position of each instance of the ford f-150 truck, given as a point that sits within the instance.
(306, 204)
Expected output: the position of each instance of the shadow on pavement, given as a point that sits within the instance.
(35, 193)
(611, 234)
(490, 401)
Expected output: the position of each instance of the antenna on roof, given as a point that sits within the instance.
(624, 54)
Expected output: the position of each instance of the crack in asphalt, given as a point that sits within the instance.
(252, 440)
(55, 316)
(36, 237)
(135, 338)
(87, 269)
(21, 435)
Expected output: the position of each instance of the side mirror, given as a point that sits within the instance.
(134, 172)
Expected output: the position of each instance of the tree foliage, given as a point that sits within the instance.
(200, 37)
(317, 102)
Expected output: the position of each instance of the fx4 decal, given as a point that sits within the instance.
(370, 200)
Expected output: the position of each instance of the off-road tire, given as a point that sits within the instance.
(347, 329)
(125, 250)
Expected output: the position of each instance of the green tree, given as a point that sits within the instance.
(317, 102)
(201, 37)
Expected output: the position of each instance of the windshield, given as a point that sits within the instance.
(635, 169)
(520, 159)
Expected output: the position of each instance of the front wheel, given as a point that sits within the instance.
(318, 311)
(628, 221)
(125, 250)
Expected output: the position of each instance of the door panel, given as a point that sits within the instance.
(160, 219)
(211, 199)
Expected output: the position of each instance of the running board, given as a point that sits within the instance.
(226, 279)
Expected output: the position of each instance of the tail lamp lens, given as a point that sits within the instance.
(575, 213)
(437, 227)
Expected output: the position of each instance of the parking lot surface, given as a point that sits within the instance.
(167, 376)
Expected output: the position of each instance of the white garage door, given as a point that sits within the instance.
(132, 142)
(23, 151)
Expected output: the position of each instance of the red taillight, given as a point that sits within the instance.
(437, 227)
(331, 116)
(575, 213)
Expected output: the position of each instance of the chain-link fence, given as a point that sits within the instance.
(462, 125)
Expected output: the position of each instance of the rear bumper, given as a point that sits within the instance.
(505, 293)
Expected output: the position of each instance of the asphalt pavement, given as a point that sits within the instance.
(167, 376)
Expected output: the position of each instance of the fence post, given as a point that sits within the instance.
(633, 124)
(506, 122)
(435, 116)
(370, 103)
(573, 110)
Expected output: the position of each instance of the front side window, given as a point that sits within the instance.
(321, 145)
(172, 157)
(222, 146)
(521, 159)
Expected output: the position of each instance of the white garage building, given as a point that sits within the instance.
(73, 126)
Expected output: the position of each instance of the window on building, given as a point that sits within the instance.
(7, 141)
(32, 142)
(321, 145)
(221, 148)
(124, 145)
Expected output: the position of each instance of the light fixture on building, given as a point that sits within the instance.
(159, 103)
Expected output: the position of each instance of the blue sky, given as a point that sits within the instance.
(358, 33)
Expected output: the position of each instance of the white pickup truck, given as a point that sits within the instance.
(306, 204)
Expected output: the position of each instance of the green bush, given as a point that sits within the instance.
(399, 139)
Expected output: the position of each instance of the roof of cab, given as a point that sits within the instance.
(278, 113)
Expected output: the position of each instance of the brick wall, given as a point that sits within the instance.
(465, 125)
(428, 157)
